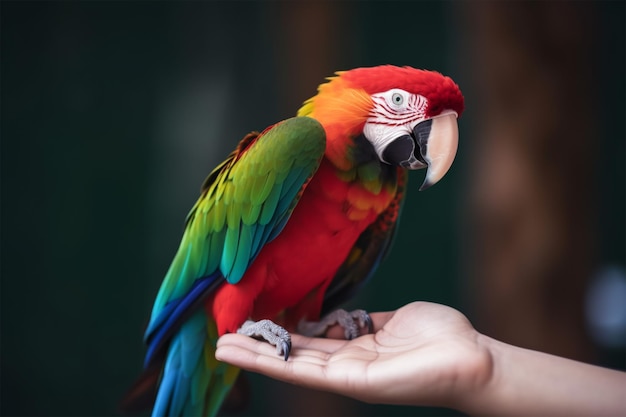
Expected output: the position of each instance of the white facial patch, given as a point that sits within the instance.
(395, 113)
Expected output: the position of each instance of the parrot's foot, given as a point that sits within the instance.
(351, 321)
(270, 332)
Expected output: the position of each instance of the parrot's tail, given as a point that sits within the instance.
(192, 382)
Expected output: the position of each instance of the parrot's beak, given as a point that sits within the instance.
(438, 139)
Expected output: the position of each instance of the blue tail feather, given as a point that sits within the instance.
(184, 365)
(174, 313)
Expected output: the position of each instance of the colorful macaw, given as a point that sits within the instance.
(293, 222)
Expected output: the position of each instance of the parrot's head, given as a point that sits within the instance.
(408, 117)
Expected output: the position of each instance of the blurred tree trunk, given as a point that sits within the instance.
(531, 192)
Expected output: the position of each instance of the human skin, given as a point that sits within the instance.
(426, 354)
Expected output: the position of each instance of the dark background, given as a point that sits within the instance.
(113, 113)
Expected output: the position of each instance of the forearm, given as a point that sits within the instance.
(526, 382)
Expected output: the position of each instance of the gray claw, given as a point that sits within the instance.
(352, 323)
(369, 323)
(270, 332)
(286, 349)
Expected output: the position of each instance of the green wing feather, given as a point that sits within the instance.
(368, 252)
(244, 203)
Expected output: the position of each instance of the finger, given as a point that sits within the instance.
(304, 349)
(247, 343)
(243, 351)
(317, 343)
(298, 342)
(298, 370)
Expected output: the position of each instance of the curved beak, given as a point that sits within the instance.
(438, 140)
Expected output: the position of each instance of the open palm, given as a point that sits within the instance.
(420, 354)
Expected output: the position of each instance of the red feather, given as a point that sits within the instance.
(442, 93)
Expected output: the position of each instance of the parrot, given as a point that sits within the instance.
(293, 223)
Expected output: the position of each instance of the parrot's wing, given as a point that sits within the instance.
(368, 252)
(245, 203)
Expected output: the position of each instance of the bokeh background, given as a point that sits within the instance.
(113, 113)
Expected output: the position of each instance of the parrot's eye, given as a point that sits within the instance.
(397, 99)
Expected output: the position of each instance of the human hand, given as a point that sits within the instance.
(420, 354)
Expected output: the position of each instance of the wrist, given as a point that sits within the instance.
(507, 387)
(475, 383)
(479, 388)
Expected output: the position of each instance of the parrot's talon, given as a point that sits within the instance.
(352, 322)
(286, 348)
(270, 332)
(369, 323)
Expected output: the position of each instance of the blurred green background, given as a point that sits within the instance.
(113, 113)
